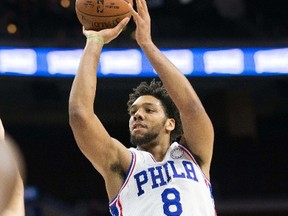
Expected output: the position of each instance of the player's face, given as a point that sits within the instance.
(147, 120)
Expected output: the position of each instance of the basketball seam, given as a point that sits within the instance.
(102, 16)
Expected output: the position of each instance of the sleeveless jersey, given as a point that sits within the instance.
(175, 186)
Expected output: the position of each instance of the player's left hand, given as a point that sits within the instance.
(142, 20)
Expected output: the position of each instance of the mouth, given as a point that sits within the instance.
(138, 126)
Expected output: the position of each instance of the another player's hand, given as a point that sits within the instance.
(107, 34)
(142, 20)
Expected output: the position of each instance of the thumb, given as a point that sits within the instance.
(123, 23)
(116, 30)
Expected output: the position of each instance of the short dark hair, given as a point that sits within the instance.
(157, 90)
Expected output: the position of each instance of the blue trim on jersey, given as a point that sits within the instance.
(114, 210)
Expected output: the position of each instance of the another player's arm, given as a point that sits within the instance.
(11, 185)
(7, 172)
(197, 127)
(104, 152)
(15, 206)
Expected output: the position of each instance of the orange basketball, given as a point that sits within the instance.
(101, 14)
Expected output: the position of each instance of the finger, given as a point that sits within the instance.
(133, 12)
(84, 31)
(118, 29)
(139, 6)
(144, 5)
(142, 8)
(122, 24)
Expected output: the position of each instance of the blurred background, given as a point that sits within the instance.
(249, 113)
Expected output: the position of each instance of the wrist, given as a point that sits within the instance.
(96, 38)
(146, 44)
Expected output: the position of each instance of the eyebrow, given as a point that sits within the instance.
(145, 104)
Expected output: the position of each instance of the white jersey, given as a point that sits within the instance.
(175, 186)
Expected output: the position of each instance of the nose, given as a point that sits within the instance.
(138, 115)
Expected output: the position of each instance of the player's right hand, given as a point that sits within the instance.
(108, 34)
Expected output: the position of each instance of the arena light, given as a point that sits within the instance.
(224, 61)
(18, 60)
(65, 3)
(185, 1)
(63, 62)
(274, 60)
(122, 62)
(182, 58)
(12, 28)
(199, 62)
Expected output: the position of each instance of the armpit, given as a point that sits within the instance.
(116, 168)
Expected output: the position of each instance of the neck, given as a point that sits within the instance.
(157, 150)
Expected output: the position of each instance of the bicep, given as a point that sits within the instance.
(97, 145)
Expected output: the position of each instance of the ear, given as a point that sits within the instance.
(170, 124)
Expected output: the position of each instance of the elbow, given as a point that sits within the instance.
(77, 116)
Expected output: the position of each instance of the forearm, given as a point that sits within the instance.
(177, 85)
(83, 90)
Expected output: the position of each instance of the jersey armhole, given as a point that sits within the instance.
(128, 175)
(190, 154)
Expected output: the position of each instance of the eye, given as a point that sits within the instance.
(132, 112)
(149, 110)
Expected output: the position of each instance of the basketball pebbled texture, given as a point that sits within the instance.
(101, 14)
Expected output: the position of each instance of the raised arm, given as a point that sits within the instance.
(197, 127)
(104, 152)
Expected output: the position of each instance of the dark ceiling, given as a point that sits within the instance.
(54, 22)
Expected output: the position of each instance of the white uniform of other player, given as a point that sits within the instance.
(175, 186)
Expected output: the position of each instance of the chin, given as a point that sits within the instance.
(140, 140)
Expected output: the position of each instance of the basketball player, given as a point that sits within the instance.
(167, 170)
(11, 183)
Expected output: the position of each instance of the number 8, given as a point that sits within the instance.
(171, 201)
